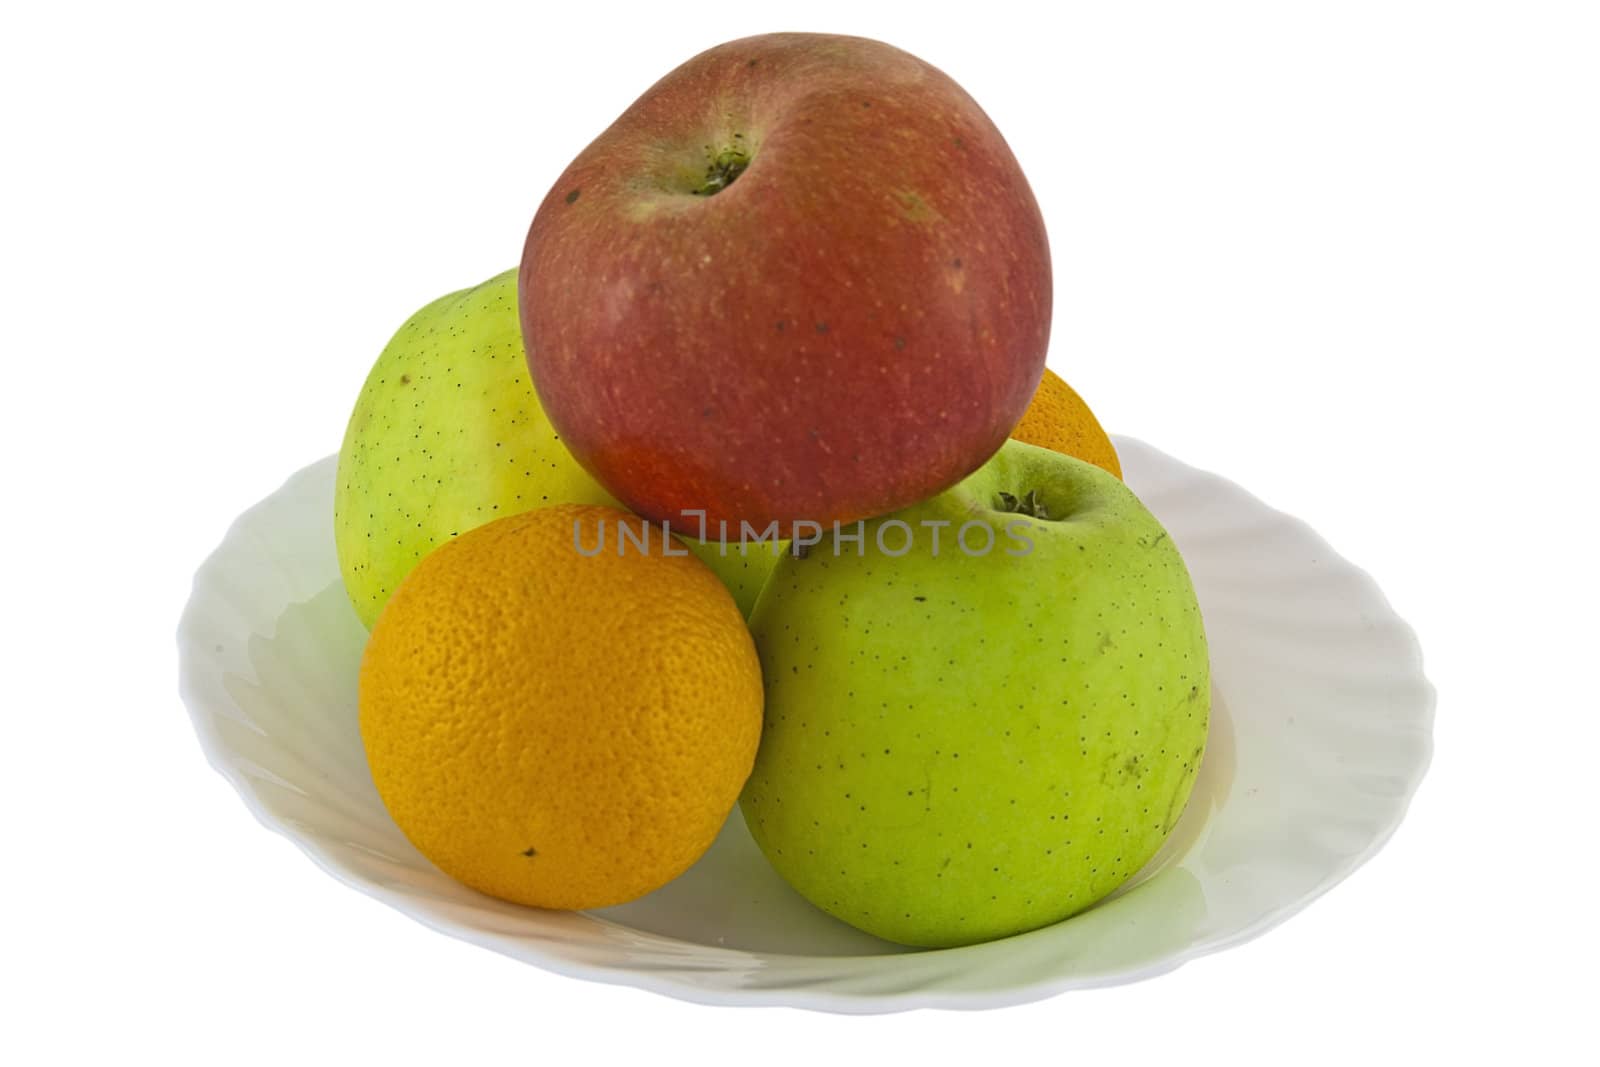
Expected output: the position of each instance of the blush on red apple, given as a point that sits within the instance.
(801, 278)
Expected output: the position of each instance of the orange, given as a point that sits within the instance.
(1058, 419)
(559, 729)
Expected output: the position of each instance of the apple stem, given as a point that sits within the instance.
(1029, 504)
(721, 171)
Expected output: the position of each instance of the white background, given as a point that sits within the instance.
(1346, 254)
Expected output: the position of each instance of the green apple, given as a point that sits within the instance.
(448, 434)
(984, 714)
(743, 566)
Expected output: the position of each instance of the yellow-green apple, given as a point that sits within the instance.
(986, 712)
(448, 434)
(801, 278)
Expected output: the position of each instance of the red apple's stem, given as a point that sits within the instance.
(723, 168)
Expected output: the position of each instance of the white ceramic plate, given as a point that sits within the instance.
(1321, 730)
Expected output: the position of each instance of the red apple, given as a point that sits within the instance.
(801, 278)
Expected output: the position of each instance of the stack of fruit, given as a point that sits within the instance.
(752, 530)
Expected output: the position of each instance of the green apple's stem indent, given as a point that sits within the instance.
(1029, 504)
(721, 170)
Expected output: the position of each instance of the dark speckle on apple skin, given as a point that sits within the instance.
(572, 197)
